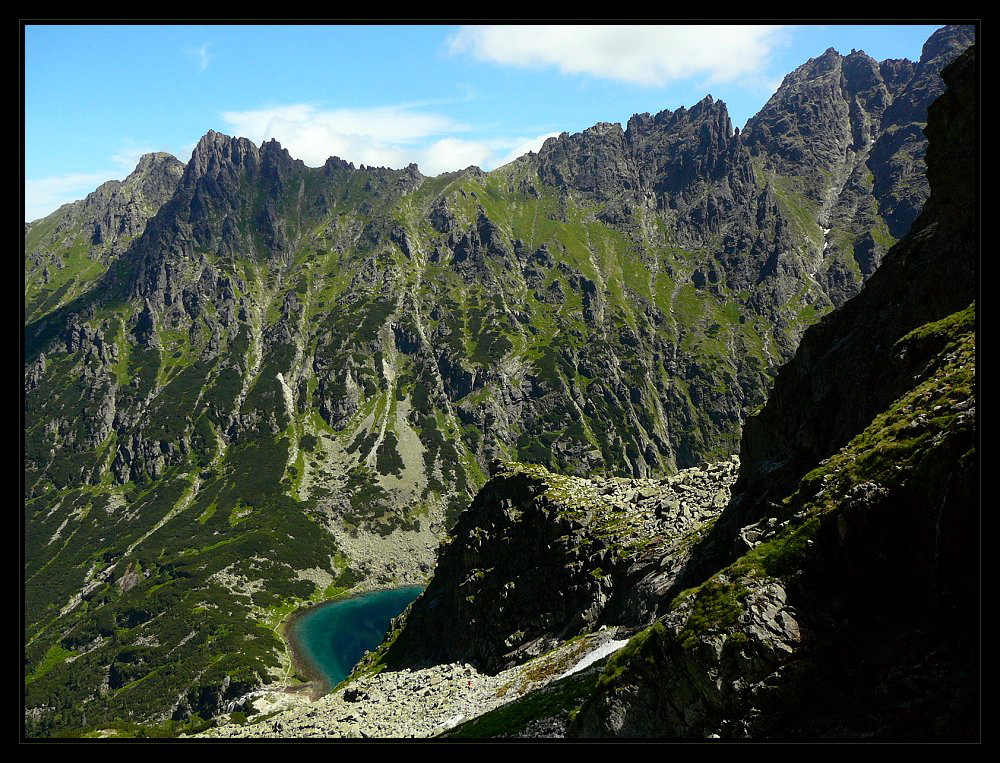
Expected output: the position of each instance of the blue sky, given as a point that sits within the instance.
(96, 97)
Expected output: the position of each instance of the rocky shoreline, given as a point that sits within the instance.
(421, 703)
(301, 664)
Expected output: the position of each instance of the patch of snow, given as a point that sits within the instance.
(598, 654)
(452, 722)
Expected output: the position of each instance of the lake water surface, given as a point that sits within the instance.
(332, 637)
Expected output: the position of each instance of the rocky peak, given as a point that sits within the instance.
(821, 106)
(411, 178)
(678, 151)
(896, 161)
(828, 63)
(149, 186)
(277, 165)
(156, 177)
(336, 164)
(603, 128)
(106, 223)
(153, 161)
(220, 155)
(593, 161)
(670, 152)
(707, 113)
(896, 72)
(216, 183)
(272, 153)
(213, 190)
(806, 122)
(861, 71)
(946, 43)
(713, 110)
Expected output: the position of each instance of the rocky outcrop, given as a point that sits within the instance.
(212, 700)
(670, 682)
(539, 558)
(68, 250)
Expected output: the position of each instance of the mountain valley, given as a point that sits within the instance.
(251, 385)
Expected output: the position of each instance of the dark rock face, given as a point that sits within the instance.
(854, 613)
(521, 556)
(847, 368)
(668, 153)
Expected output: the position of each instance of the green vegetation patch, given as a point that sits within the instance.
(175, 406)
(559, 698)
(715, 609)
(388, 460)
(640, 650)
(56, 655)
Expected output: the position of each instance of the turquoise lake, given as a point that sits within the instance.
(332, 637)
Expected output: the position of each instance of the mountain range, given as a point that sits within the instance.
(250, 384)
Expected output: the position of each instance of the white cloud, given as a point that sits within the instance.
(450, 154)
(381, 136)
(44, 195)
(200, 55)
(524, 146)
(643, 55)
